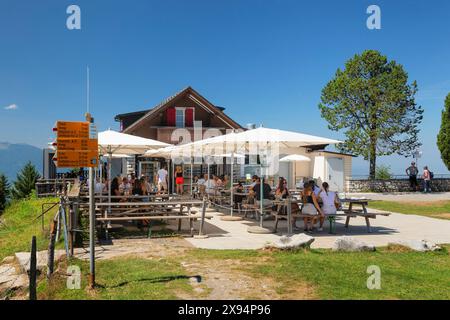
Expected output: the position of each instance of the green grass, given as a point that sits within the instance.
(343, 275)
(19, 224)
(331, 275)
(125, 278)
(435, 209)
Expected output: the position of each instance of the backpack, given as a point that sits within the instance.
(431, 174)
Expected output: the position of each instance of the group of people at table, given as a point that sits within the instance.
(315, 202)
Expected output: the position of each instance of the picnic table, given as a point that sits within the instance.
(150, 211)
(350, 212)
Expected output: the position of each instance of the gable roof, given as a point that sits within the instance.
(194, 96)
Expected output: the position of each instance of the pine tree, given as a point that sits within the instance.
(4, 192)
(443, 138)
(373, 103)
(25, 182)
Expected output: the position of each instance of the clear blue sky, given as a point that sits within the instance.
(265, 61)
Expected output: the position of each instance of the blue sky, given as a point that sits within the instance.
(265, 61)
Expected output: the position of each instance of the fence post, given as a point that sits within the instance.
(202, 222)
(51, 250)
(32, 276)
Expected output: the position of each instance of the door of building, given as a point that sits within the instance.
(335, 174)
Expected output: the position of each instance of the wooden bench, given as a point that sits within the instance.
(164, 210)
(332, 218)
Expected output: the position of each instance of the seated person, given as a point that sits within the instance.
(255, 179)
(210, 186)
(267, 193)
(282, 191)
(115, 190)
(316, 189)
(217, 181)
(311, 208)
(330, 200)
(237, 198)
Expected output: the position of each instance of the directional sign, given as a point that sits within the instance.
(73, 144)
(70, 129)
(76, 144)
(75, 159)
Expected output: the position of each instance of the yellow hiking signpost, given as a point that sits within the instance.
(76, 145)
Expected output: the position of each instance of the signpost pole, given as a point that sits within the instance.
(91, 215)
(91, 230)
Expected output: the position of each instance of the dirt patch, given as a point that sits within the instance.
(161, 247)
(222, 279)
(438, 203)
(441, 215)
(232, 279)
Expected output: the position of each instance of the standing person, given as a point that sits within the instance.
(162, 180)
(179, 180)
(412, 172)
(427, 176)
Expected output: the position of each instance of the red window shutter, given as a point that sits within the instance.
(170, 115)
(189, 117)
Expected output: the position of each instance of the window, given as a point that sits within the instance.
(179, 117)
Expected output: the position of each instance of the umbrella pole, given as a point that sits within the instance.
(261, 196)
(231, 183)
(192, 177)
(173, 177)
(109, 181)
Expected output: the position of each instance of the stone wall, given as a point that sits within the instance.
(396, 185)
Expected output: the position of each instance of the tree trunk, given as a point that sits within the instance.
(372, 158)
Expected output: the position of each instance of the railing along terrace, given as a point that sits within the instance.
(399, 177)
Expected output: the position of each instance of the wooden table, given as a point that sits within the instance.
(122, 211)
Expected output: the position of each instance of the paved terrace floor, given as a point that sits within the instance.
(385, 229)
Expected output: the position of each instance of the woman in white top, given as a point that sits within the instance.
(330, 200)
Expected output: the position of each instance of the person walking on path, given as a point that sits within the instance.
(427, 176)
(162, 180)
(412, 172)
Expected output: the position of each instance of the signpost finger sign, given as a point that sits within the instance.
(76, 145)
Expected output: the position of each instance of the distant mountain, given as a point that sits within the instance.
(14, 156)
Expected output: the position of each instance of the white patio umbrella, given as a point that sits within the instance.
(112, 142)
(237, 141)
(295, 158)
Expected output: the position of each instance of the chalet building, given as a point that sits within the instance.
(178, 111)
(188, 106)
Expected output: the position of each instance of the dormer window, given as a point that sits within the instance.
(179, 117)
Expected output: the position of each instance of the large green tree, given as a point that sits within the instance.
(4, 192)
(373, 103)
(443, 138)
(25, 182)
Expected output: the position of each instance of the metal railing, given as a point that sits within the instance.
(400, 177)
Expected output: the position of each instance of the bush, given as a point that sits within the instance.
(4, 192)
(383, 172)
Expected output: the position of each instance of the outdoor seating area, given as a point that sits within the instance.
(164, 194)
